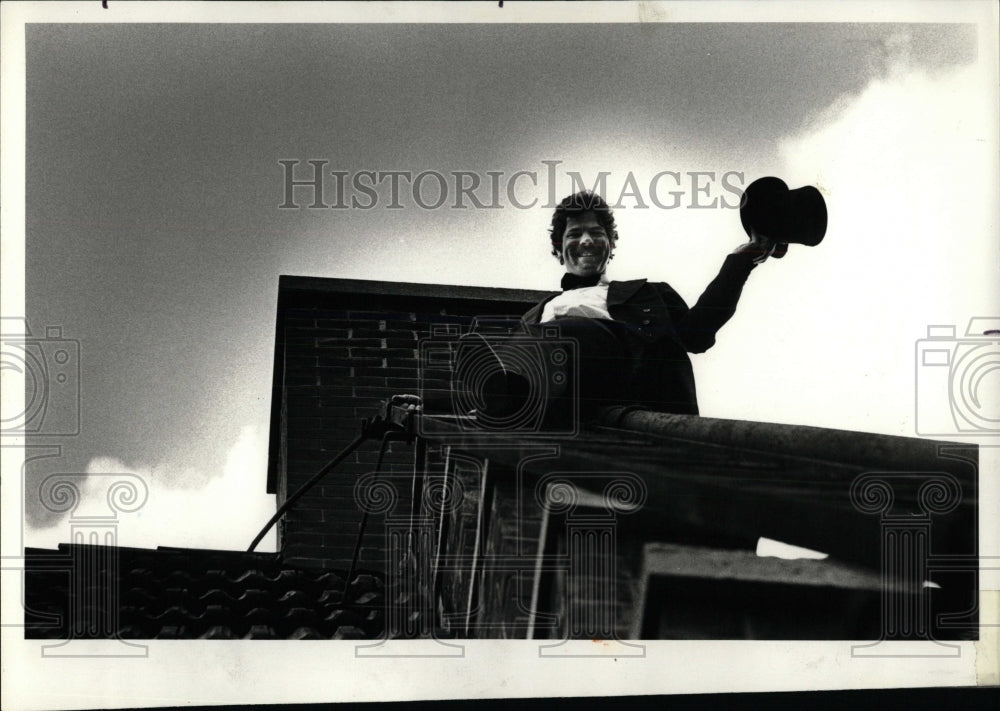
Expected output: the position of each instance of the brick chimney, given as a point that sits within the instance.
(342, 346)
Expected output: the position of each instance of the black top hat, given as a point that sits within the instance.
(784, 215)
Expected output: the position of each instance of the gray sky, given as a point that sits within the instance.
(154, 236)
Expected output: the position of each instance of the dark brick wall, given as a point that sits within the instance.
(342, 347)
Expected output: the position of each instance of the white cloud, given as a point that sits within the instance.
(226, 513)
(908, 169)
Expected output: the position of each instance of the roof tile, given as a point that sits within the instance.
(171, 593)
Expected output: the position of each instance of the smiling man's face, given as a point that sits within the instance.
(586, 247)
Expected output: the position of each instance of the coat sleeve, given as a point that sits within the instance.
(698, 325)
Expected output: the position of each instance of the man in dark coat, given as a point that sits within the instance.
(633, 337)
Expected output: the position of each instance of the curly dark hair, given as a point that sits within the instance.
(575, 204)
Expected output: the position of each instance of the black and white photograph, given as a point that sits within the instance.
(412, 351)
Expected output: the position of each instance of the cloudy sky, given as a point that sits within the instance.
(154, 237)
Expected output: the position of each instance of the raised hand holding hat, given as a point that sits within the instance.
(770, 210)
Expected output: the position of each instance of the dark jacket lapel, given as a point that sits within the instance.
(534, 314)
(621, 291)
